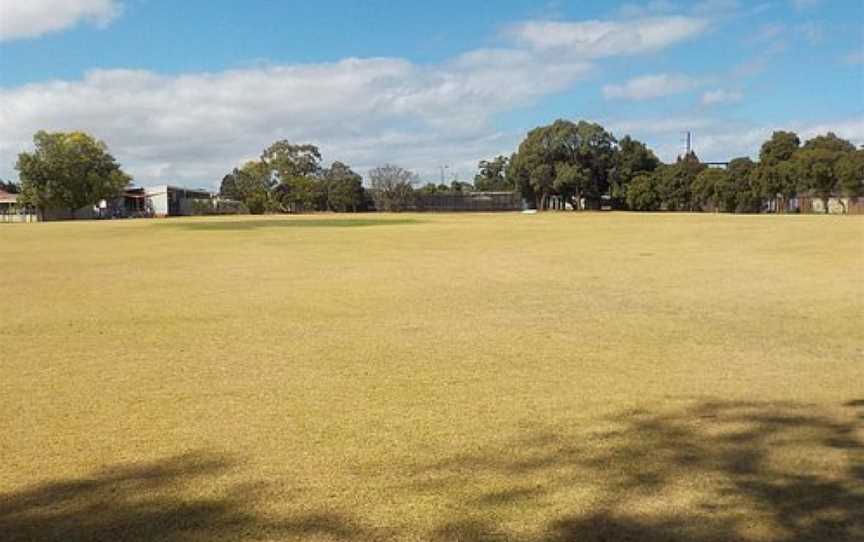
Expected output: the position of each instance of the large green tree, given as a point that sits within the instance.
(818, 172)
(570, 181)
(594, 152)
(777, 180)
(631, 159)
(299, 194)
(69, 171)
(710, 190)
(675, 182)
(343, 188)
(290, 178)
(642, 193)
(829, 142)
(819, 164)
(568, 159)
(492, 175)
(850, 171)
(289, 160)
(780, 148)
(297, 170)
(748, 194)
(251, 184)
(776, 175)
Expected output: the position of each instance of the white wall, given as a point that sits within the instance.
(158, 198)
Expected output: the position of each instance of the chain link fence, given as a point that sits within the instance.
(468, 202)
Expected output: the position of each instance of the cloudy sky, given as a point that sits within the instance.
(184, 91)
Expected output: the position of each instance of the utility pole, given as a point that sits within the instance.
(442, 173)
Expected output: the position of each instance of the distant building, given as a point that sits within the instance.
(7, 201)
(166, 200)
(130, 203)
(11, 210)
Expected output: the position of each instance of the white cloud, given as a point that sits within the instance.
(648, 87)
(719, 96)
(717, 140)
(851, 129)
(193, 128)
(31, 18)
(593, 39)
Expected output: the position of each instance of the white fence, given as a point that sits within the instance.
(18, 217)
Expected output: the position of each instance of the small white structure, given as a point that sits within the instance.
(166, 200)
(836, 205)
(12, 211)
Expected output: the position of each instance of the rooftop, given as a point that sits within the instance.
(6, 197)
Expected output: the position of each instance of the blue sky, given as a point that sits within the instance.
(184, 91)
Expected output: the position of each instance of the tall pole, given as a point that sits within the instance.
(442, 172)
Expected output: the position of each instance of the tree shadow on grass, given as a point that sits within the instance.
(708, 472)
(714, 471)
(250, 225)
(143, 502)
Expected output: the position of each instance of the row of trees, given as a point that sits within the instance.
(580, 162)
(291, 178)
(824, 166)
(577, 162)
(74, 170)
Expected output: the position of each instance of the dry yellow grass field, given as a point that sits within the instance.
(556, 377)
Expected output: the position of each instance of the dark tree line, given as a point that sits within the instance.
(291, 178)
(823, 167)
(581, 162)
